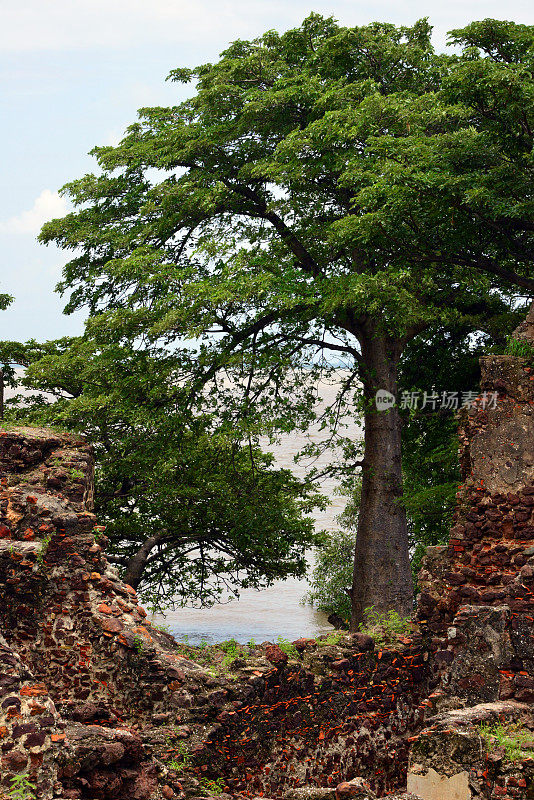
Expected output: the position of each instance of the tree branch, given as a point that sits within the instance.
(306, 260)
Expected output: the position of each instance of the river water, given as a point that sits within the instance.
(276, 611)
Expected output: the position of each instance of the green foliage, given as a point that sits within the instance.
(21, 788)
(200, 655)
(5, 301)
(219, 658)
(73, 473)
(213, 786)
(287, 647)
(331, 577)
(230, 646)
(139, 644)
(181, 759)
(192, 477)
(98, 532)
(385, 628)
(333, 638)
(162, 628)
(519, 348)
(233, 651)
(517, 741)
(43, 549)
(404, 139)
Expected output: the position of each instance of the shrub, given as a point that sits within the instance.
(287, 647)
(385, 627)
(332, 574)
(233, 650)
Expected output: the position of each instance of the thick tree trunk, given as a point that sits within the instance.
(382, 576)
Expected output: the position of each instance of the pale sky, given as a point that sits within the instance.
(73, 74)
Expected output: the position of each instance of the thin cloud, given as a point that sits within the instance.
(64, 25)
(47, 206)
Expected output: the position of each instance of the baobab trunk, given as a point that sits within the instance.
(382, 575)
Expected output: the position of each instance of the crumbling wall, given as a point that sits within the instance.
(116, 690)
(477, 602)
(62, 607)
(29, 723)
(477, 593)
(335, 713)
(77, 652)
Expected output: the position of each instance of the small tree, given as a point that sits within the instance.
(193, 510)
(331, 577)
(5, 301)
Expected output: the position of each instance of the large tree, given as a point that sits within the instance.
(330, 188)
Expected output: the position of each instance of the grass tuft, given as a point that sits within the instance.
(510, 735)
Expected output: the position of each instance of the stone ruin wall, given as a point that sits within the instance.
(94, 701)
(476, 606)
(338, 714)
(91, 694)
(477, 593)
